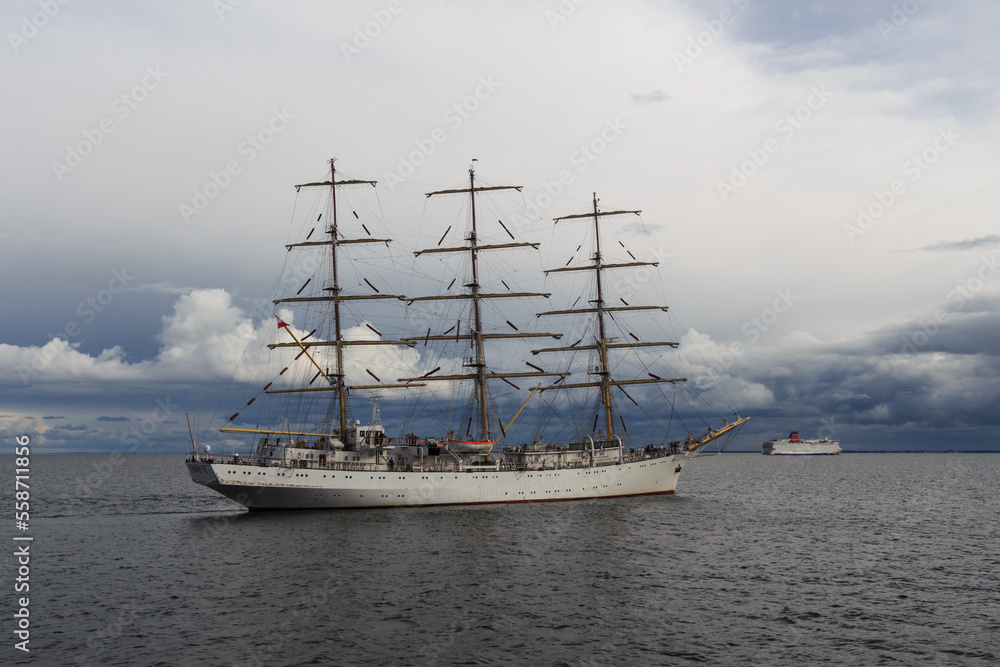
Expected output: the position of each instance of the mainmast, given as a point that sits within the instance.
(341, 394)
(605, 374)
(603, 343)
(480, 363)
(477, 335)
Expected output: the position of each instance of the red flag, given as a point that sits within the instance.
(282, 323)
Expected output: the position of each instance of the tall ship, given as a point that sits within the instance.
(465, 369)
(795, 446)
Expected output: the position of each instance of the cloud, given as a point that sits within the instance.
(966, 244)
(162, 288)
(644, 229)
(649, 98)
(204, 340)
(910, 377)
(207, 344)
(920, 383)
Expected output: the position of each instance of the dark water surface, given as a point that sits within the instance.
(858, 559)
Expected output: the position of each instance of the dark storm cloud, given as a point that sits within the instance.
(961, 326)
(906, 376)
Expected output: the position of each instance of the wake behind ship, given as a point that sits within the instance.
(313, 454)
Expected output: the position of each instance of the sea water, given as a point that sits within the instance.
(856, 559)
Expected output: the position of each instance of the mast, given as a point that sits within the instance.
(602, 338)
(603, 343)
(477, 332)
(336, 379)
(341, 398)
(479, 374)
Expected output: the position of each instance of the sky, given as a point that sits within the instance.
(816, 180)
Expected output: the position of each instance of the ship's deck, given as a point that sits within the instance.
(630, 456)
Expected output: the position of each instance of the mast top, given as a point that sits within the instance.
(333, 171)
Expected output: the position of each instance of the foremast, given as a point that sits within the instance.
(335, 378)
(479, 373)
(602, 343)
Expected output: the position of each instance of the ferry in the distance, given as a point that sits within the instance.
(794, 445)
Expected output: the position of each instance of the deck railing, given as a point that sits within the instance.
(631, 456)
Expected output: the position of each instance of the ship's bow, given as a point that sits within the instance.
(202, 473)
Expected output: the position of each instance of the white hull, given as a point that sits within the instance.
(801, 448)
(273, 487)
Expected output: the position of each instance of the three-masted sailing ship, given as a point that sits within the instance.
(335, 461)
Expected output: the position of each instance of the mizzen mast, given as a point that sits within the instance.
(600, 308)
